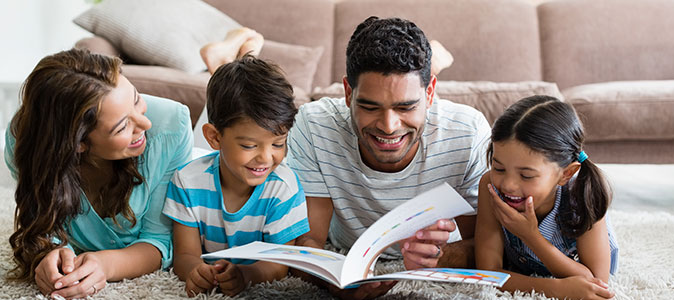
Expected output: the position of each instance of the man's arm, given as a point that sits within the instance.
(319, 213)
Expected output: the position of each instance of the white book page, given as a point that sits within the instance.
(441, 202)
(323, 263)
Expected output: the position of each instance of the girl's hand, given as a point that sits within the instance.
(581, 287)
(202, 278)
(524, 225)
(87, 278)
(231, 279)
(47, 271)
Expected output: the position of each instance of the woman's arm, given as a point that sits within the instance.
(92, 270)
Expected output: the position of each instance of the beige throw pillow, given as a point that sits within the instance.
(298, 62)
(158, 32)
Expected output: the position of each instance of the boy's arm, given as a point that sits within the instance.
(187, 249)
(263, 271)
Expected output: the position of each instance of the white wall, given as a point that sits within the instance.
(32, 29)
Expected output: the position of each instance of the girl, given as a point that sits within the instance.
(92, 159)
(534, 215)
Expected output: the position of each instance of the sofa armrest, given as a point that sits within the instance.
(99, 45)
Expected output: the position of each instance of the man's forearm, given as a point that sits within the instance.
(459, 254)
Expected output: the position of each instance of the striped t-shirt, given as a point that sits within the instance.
(276, 212)
(324, 153)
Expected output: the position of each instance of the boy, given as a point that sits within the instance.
(241, 193)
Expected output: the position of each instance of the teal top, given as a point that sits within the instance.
(169, 145)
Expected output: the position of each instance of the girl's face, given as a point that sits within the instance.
(518, 172)
(120, 129)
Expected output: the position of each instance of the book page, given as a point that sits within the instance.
(322, 263)
(441, 202)
(496, 279)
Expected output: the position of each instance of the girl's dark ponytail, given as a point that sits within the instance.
(590, 197)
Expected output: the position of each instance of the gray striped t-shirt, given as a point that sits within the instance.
(324, 154)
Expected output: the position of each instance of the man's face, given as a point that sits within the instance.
(388, 114)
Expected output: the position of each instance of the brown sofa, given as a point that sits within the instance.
(610, 58)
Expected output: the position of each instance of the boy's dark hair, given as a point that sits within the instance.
(388, 46)
(250, 88)
(552, 128)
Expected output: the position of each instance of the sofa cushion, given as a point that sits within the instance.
(490, 98)
(159, 32)
(298, 62)
(625, 110)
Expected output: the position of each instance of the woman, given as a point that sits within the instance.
(92, 159)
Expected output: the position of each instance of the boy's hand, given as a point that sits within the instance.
(231, 279)
(522, 224)
(202, 278)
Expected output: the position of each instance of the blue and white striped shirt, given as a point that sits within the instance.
(276, 211)
(324, 153)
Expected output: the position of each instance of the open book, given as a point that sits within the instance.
(442, 202)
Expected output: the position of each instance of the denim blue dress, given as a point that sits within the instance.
(519, 258)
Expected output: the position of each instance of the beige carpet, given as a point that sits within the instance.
(646, 262)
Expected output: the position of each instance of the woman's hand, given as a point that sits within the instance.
(230, 280)
(48, 271)
(202, 278)
(522, 224)
(582, 287)
(87, 278)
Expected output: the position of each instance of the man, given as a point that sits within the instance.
(387, 141)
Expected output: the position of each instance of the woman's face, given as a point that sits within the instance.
(121, 126)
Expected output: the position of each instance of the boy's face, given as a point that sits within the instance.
(248, 153)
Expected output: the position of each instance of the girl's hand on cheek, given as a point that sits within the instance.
(522, 224)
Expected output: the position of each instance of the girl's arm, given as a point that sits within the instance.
(489, 243)
(489, 240)
(525, 226)
(594, 250)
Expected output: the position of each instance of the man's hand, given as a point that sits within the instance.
(425, 248)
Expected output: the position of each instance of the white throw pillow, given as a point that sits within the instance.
(159, 32)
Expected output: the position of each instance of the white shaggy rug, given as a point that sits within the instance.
(645, 234)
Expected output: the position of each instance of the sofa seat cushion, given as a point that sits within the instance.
(625, 110)
(490, 98)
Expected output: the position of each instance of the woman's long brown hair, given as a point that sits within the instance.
(60, 104)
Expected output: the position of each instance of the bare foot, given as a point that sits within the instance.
(441, 58)
(252, 46)
(219, 53)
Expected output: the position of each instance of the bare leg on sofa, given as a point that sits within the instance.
(236, 43)
(441, 58)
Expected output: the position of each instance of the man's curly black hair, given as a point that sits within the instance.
(388, 46)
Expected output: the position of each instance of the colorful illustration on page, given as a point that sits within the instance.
(396, 225)
(305, 253)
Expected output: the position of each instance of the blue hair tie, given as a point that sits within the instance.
(582, 156)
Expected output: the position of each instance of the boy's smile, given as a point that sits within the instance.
(248, 154)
